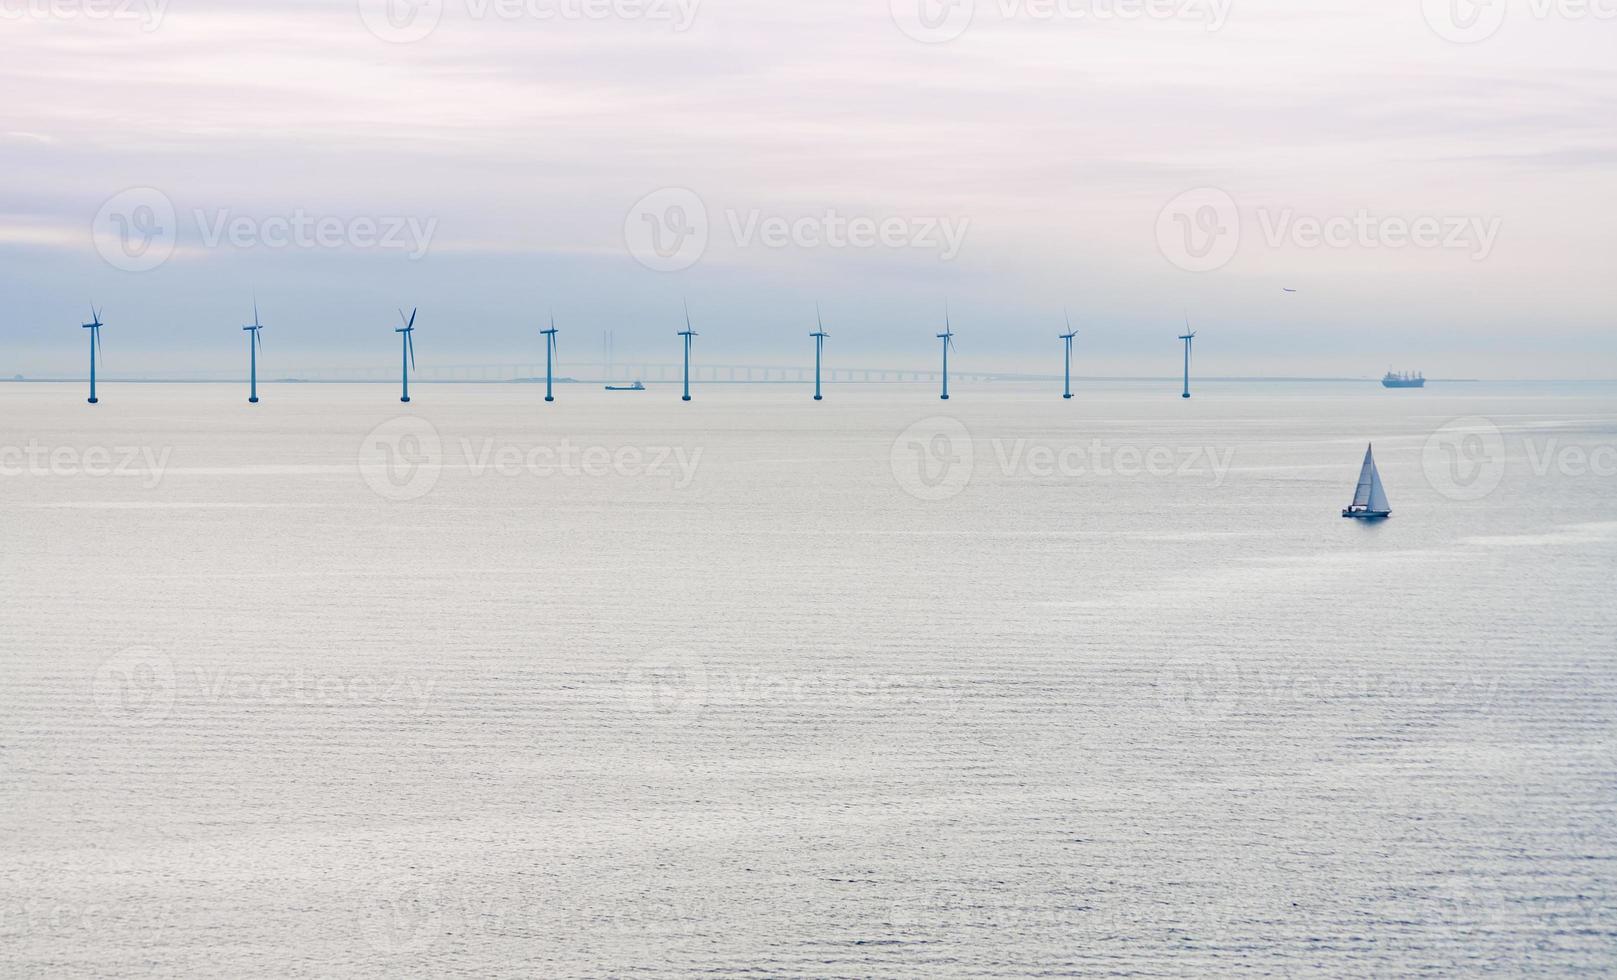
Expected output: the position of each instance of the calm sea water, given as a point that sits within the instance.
(881, 686)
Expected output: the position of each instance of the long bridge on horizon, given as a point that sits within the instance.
(626, 371)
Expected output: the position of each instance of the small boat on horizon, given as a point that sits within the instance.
(1369, 499)
(637, 386)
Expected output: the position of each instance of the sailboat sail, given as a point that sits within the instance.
(1369, 499)
(1369, 482)
(1378, 496)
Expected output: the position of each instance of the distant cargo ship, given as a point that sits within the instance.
(637, 386)
(1404, 380)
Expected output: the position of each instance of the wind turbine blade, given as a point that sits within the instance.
(411, 324)
(258, 335)
(409, 342)
(687, 313)
(817, 320)
(255, 311)
(98, 351)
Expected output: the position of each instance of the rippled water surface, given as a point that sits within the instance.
(881, 686)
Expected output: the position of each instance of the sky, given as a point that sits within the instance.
(1436, 180)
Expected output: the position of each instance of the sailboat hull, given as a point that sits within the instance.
(1367, 515)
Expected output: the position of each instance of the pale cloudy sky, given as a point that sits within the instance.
(1437, 180)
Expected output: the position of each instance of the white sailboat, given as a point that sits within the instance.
(1369, 499)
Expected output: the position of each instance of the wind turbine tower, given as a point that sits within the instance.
(687, 333)
(947, 336)
(407, 353)
(552, 354)
(94, 326)
(255, 343)
(819, 349)
(1066, 372)
(1188, 337)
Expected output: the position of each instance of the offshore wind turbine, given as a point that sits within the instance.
(94, 326)
(687, 333)
(1066, 374)
(1188, 337)
(255, 343)
(552, 354)
(819, 349)
(407, 351)
(947, 336)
